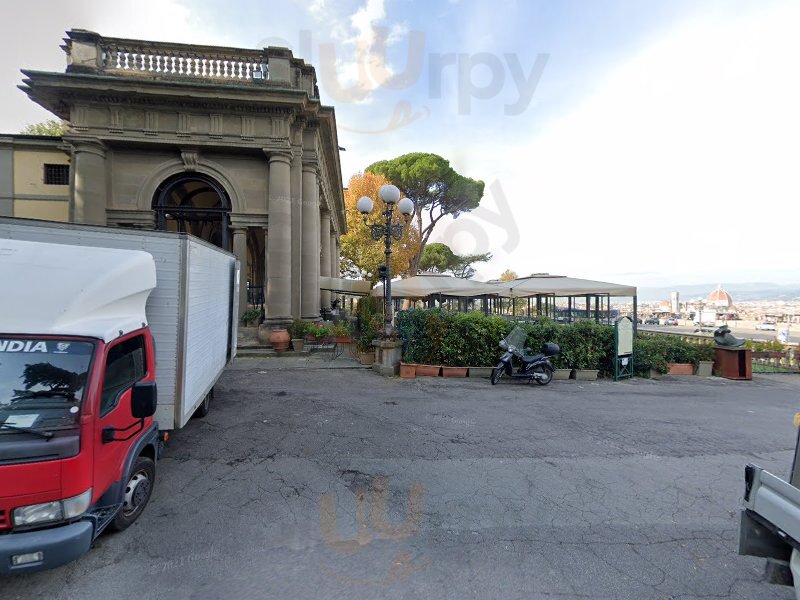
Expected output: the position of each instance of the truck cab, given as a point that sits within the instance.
(78, 442)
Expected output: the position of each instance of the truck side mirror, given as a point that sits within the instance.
(143, 399)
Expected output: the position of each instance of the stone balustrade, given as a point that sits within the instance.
(89, 52)
(127, 57)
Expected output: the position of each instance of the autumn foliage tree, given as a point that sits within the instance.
(361, 254)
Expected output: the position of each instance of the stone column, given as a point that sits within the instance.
(311, 245)
(334, 254)
(240, 250)
(337, 263)
(265, 274)
(325, 255)
(297, 230)
(89, 184)
(279, 241)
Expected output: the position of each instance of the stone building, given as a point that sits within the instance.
(231, 145)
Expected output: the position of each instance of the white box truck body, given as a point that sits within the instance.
(192, 312)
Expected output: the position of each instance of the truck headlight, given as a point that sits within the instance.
(49, 512)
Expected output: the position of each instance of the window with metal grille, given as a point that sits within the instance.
(56, 174)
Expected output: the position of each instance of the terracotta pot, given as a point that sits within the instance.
(279, 338)
(586, 374)
(681, 369)
(454, 371)
(366, 358)
(298, 344)
(408, 371)
(484, 372)
(562, 374)
(428, 370)
(344, 340)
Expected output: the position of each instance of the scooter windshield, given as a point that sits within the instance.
(42, 382)
(516, 339)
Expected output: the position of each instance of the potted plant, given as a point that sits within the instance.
(297, 331)
(408, 370)
(341, 332)
(320, 331)
(681, 357)
(428, 370)
(251, 317)
(705, 360)
(366, 352)
(581, 350)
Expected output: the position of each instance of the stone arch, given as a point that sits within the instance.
(194, 203)
(175, 166)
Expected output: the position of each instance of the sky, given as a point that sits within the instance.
(651, 143)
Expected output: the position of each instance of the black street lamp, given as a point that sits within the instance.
(391, 197)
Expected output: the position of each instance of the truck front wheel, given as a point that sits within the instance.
(137, 493)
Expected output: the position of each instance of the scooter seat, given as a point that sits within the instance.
(529, 358)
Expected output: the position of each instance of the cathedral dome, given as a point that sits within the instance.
(720, 297)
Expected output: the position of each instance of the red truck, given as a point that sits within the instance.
(92, 321)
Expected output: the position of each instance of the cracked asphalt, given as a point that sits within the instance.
(340, 484)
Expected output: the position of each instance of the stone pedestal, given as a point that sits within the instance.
(387, 357)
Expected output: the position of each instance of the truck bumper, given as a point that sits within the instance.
(58, 546)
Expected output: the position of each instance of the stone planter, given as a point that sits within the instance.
(428, 370)
(704, 368)
(562, 374)
(483, 372)
(586, 374)
(681, 369)
(454, 371)
(408, 371)
(366, 358)
(298, 344)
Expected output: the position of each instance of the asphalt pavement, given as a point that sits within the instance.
(326, 483)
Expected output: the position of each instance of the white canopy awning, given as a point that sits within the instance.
(423, 286)
(556, 285)
(345, 286)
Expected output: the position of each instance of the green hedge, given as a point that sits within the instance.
(435, 336)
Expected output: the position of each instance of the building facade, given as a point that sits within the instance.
(231, 145)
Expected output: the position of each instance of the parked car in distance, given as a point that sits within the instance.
(704, 330)
(651, 321)
(766, 326)
(669, 321)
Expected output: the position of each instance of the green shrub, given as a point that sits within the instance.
(436, 336)
(340, 330)
(251, 316)
(369, 330)
(299, 329)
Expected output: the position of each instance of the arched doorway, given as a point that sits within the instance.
(195, 204)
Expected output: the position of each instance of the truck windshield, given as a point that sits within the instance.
(42, 382)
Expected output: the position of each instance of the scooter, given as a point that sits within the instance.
(532, 366)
